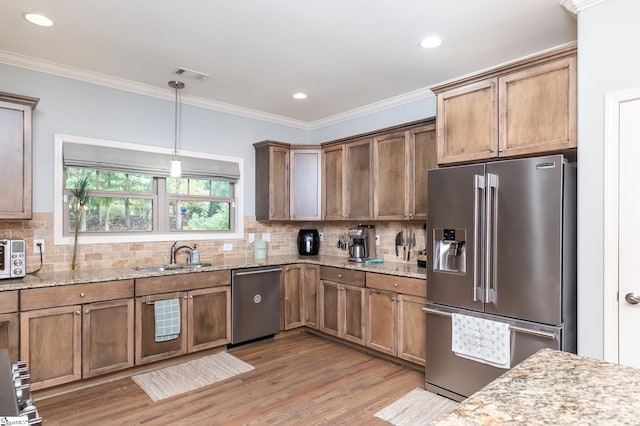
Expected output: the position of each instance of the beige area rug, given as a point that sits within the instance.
(418, 407)
(190, 375)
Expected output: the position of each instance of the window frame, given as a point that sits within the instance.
(60, 216)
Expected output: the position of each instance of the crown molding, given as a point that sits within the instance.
(28, 62)
(575, 6)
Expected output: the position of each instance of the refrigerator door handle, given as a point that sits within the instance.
(492, 200)
(478, 188)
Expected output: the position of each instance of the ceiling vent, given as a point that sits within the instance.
(196, 75)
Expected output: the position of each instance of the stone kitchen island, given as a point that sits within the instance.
(554, 388)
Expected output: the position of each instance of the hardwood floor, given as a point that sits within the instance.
(298, 379)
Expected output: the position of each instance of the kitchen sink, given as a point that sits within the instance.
(170, 267)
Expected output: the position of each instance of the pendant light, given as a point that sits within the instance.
(176, 170)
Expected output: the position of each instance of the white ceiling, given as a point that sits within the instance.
(346, 54)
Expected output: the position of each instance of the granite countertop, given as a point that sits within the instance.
(554, 388)
(50, 279)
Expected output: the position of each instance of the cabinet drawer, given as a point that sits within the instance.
(182, 282)
(404, 285)
(339, 275)
(39, 298)
(8, 301)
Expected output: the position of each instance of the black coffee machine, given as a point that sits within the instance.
(308, 242)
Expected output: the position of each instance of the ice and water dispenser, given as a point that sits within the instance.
(449, 250)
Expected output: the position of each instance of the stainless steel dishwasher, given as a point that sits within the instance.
(255, 303)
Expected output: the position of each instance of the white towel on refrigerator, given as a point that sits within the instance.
(481, 340)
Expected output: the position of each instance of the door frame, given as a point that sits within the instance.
(611, 220)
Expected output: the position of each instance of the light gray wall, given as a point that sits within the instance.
(608, 61)
(84, 109)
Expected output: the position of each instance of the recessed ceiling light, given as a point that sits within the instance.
(38, 19)
(299, 95)
(431, 42)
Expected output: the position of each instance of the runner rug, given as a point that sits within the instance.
(190, 375)
(418, 407)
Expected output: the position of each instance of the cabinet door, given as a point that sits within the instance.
(310, 295)
(468, 122)
(352, 314)
(359, 180)
(107, 337)
(305, 184)
(9, 335)
(272, 181)
(423, 153)
(333, 190)
(329, 304)
(15, 152)
(147, 349)
(381, 321)
(538, 109)
(50, 343)
(412, 328)
(209, 320)
(293, 301)
(391, 177)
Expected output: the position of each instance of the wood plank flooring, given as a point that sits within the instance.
(299, 379)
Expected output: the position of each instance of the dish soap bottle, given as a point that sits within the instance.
(195, 256)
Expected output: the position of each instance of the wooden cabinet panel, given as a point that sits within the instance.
(209, 319)
(468, 122)
(405, 285)
(412, 328)
(381, 321)
(537, 109)
(353, 313)
(359, 188)
(333, 183)
(181, 282)
(391, 176)
(107, 337)
(272, 180)
(305, 183)
(15, 152)
(39, 298)
(147, 349)
(8, 301)
(310, 295)
(50, 343)
(10, 335)
(293, 298)
(329, 312)
(423, 144)
(340, 275)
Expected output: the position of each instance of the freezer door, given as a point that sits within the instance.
(455, 197)
(457, 378)
(524, 239)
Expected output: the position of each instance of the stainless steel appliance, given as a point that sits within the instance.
(255, 303)
(15, 392)
(362, 243)
(12, 259)
(308, 242)
(503, 248)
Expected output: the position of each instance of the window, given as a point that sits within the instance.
(132, 198)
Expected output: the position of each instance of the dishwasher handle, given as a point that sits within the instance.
(261, 271)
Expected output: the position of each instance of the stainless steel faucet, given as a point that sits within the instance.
(175, 250)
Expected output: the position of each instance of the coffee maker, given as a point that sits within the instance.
(362, 243)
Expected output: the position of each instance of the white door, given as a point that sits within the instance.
(629, 234)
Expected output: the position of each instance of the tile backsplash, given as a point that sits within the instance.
(283, 237)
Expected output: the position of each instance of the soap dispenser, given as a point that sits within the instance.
(195, 256)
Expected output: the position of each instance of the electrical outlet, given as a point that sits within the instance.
(377, 239)
(266, 236)
(227, 247)
(36, 249)
(252, 238)
(321, 234)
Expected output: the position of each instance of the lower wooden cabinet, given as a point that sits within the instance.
(311, 301)
(9, 324)
(342, 310)
(301, 296)
(395, 322)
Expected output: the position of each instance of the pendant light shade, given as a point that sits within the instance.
(176, 169)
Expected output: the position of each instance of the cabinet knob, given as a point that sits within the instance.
(184, 297)
(81, 294)
(410, 214)
(190, 297)
(77, 312)
(86, 312)
(492, 150)
(395, 284)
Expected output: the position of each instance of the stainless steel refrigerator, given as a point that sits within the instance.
(503, 248)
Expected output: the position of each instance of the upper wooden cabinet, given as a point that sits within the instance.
(15, 155)
(520, 109)
(401, 161)
(287, 181)
(272, 180)
(347, 181)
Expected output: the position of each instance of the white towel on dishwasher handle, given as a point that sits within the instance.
(481, 340)
(167, 318)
